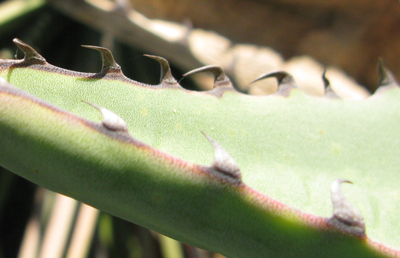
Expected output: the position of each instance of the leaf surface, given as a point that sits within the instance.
(290, 148)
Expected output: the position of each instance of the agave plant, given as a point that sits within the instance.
(147, 161)
(245, 176)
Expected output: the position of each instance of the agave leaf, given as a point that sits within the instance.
(159, 171)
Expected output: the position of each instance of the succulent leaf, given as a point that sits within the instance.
(154, 170)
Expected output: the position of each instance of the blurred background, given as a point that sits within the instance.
(245, 37)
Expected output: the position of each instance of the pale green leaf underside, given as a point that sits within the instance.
(290, 148)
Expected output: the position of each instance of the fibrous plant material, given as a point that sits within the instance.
(147, 162)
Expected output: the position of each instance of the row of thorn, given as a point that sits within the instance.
(286, 81)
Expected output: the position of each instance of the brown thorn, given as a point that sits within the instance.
(285, 81)
(385, 76)
(31, 55)
(220, 78)
(329, 93)
(166, 75)
(386, 79)
(108, 62)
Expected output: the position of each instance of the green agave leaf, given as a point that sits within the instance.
(157, 170)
